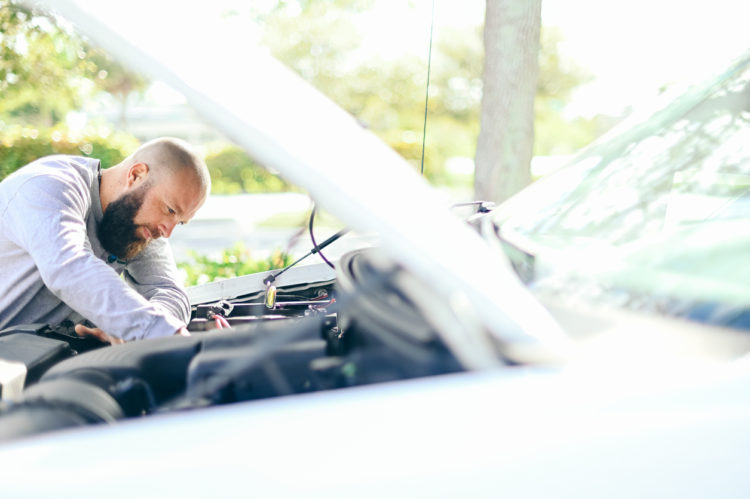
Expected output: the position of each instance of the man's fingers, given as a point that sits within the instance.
(97, 333)
(82, 330)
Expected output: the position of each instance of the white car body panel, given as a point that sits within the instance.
(517, 434)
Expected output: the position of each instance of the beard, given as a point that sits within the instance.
(117, 230)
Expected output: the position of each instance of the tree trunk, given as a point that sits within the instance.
(506, 136)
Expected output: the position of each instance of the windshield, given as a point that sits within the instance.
(658, 215)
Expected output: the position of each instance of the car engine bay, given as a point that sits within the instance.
(362, 327)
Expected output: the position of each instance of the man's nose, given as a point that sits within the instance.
(166, 228)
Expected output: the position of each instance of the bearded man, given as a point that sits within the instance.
(76, 240)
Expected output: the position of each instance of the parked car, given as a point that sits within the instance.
(586, 339)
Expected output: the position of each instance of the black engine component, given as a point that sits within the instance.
(36, 353)
(383, 328)
(86, 396)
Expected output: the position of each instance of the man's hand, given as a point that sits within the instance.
(97, 333)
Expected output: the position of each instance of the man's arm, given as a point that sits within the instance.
(46, 219)
(153, 274)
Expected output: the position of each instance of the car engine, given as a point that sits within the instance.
(361, 327)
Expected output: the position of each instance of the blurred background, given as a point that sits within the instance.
(596, 61)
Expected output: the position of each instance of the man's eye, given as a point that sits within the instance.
(171, 211)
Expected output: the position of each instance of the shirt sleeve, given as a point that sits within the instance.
(153, 274)
(47, 219)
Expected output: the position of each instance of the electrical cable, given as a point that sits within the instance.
(312, 237)
(427, 91)
(316, 249)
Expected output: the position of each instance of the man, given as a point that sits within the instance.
(75, 238)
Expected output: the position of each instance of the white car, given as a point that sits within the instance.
(586, 339)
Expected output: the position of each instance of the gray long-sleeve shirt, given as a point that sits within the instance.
(51, 261)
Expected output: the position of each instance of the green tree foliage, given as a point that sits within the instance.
(234, 172)
(320, 41)
(46, 69)
(235, 261)
(34, 60)
(21, 145)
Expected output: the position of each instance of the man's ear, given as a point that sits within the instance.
(137, 173)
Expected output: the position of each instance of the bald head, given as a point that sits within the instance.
(169, 158)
